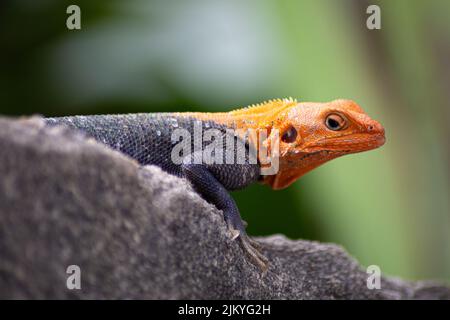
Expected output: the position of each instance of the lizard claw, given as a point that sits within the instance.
(252, 251)
(234, 234)
(254, 243)
(251, 247)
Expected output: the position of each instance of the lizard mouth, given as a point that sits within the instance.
(331, 148)
(350, 143)
(298, 163)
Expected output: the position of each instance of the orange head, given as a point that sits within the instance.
(314, 133)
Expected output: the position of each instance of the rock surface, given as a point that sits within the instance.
(137, 232)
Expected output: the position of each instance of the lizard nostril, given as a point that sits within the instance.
(370, 128)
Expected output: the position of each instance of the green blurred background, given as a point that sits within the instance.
(387, 207)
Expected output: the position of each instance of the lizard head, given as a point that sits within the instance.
(314, 133)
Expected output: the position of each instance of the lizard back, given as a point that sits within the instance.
(147, 138)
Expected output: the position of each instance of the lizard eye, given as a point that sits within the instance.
(290, 135)
(335, 122)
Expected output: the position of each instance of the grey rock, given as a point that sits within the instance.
(137, 232)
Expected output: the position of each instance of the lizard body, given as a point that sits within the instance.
(308, 135)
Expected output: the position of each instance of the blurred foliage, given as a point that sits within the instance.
(387, 207)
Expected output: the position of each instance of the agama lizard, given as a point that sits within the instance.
(310, 135)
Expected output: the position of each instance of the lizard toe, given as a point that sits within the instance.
(255, 256)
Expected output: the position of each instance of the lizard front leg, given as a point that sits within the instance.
(214, 192)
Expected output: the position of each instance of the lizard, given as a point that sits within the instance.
(304, 134)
